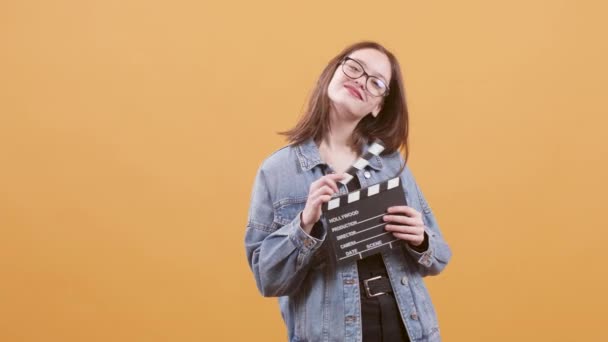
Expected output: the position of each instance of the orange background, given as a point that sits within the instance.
(130, 132)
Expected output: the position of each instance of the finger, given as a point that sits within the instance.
(321, 199)
(329, 180)
(404, 209)
(411, 221)
(324, 190)
(408, 237)
(404, 229)
(335, 176)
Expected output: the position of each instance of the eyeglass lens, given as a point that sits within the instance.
(354, 70)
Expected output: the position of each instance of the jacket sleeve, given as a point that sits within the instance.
(438, 253)
(278, 254)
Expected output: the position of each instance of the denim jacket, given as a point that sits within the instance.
(320, 299)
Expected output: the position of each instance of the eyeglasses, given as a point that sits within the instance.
(374, 85)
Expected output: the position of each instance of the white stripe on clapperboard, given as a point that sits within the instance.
(361, 163)
(372, 190)
(355, 196)
(374, 150)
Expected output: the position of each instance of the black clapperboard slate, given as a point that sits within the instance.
(354, 221)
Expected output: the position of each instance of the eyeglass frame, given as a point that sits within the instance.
(367, 76)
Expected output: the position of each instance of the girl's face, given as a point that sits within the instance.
(356, 96)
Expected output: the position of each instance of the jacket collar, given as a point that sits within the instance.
(309, 156)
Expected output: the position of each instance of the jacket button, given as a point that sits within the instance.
(349, 281)
(349, 319)
(366, 174)
(414, 316)
(404, 280)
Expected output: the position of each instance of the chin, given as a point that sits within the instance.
(354, 113)
(346, 104)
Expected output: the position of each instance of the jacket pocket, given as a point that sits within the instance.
(299, 302)
(286, 209)
(425, 306)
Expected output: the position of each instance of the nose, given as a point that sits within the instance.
(361, 81)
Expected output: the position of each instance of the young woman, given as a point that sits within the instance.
(359, 98)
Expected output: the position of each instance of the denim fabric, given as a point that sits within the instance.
(319, 299)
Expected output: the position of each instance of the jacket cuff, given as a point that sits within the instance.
(424, 258)
(304, 241)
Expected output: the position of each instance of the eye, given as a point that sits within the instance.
(353, 67)
(378, 84)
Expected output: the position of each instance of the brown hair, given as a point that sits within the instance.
(390, 126)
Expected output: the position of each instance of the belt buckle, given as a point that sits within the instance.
(367, 291)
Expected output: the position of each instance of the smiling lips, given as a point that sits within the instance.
(354, 91)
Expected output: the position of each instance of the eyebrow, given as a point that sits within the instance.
(365, 65)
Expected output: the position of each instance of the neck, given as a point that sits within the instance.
(341, 130)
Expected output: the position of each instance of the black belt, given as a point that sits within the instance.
(377, 286)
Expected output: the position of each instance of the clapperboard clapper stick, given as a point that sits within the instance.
(354, 221)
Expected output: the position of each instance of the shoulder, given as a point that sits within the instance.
(281, 166)
(393, 162)
(279, 159)
(392, 158)
(280, 175)
(393, 166)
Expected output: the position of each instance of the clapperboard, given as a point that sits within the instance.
(354, 221)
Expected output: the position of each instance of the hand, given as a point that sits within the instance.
(406, 224)
(320, 192)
